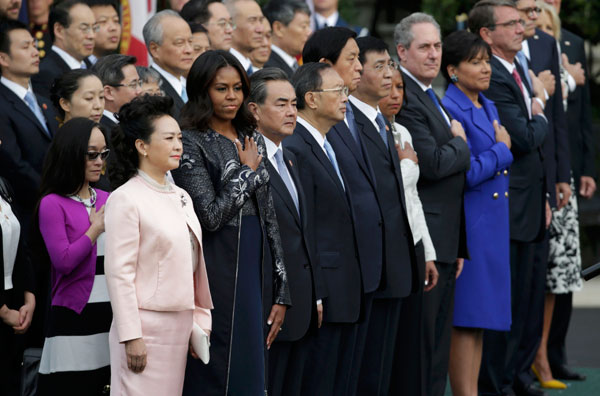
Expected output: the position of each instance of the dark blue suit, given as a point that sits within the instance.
(482, 294)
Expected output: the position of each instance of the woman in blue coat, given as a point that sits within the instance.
(482, 295)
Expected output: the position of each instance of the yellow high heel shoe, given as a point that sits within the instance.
(552, 384)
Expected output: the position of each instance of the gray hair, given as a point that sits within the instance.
(284, 11)
(403, 31)
(153, 30)
(110, 68)
(483, 15)
(148, 75)
(259, 80)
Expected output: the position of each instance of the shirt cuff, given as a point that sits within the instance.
(571, 83)
(546, 95)
(541, 102)
(319, 301)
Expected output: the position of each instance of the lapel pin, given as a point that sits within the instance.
(387, 128)
(183, 200)
(567, 43)
(44, 106)
(535, 37)
(290, 161)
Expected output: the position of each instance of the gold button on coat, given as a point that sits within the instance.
(39, 35)
(505, 172)
(495, 195)
(506, 194)
(41, 43)
(498, 173)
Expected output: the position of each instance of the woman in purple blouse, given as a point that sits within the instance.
(75, 358)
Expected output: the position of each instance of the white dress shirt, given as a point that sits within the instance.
(272, 149)
(414, 209)
(331, 20)
(11, 231)
(178, 84)
(369, 111)
(17, 89)
(246, 62)
(69, 60)
(110, 115)
(289, 60)
(424, 88)
(313, 132)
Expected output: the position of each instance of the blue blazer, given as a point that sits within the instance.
(483, 290)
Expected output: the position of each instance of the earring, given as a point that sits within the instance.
(453, 78)
(145, 154)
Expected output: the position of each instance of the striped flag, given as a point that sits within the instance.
(135, 13)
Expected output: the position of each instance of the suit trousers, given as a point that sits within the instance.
(557, 349)
(438, 307)
(407, 369)
(287, 362)
(532, 333)
(500, 348)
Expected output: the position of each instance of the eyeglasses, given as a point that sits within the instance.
(223, 23)
(93, 155)
(340, 90)
(133, 85)
(509, 24)
(85, 28)
(391, 65)
(530, 10)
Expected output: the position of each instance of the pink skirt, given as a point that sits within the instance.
(167, 336)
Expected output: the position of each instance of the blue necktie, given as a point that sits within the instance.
(382, 132)
(525, 66)
(249, 71)
(333, 160)
(436, 102)
(32, 103)
(352, 123)
(184, 96)
(283, 172)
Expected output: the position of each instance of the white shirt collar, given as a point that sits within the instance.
(313, 132)
(369, 111)
(178, 84)
(289, 60)
(330, 20)
(110, 115)
(243, 60)
(525, 49)
(69, 60)
(419, 83)
(271, 148)
(509, 66)
(16, 88)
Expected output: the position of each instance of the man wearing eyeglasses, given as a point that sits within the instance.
(73, 30)
(108, 23)
(249, 30)
(215, 18)
(520, 107)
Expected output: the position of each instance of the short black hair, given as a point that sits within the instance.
(284, 11)
(197, 11)
(259, 80)
(59, 13)
(308, 78)
(110, 68)
(369, 44)
(327, 43)
(483, 14)
(7, 26)
(462, 46)
(101, 3)
(66, 84)
(197, 28)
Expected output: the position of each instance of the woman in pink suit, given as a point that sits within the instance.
(154, 263)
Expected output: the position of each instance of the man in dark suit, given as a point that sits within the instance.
(108, 22)
(27, 121)
(520, 108)
(539, 53)
(272, 100)
(582, 145)
(72, 31)
(399, 257)
(327, 15)
(290, 21)
(444, 158)
(321, 102)
(168, 38)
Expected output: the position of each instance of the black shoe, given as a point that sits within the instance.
(529, 390)
(564, 373)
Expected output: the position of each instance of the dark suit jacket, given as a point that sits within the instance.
(544, 56)
(168, 89)
(298, 250)
(360, 31)
(277, 61)
(443, 161)
(335, 242)
(367, 215)
(24, 146)
(400, 263)
(579, 113)
(51, 67)
(526, 184)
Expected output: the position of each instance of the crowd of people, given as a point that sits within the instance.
(268, 209)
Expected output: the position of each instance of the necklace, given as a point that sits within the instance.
(92, 198)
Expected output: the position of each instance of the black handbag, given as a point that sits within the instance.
(29, 371)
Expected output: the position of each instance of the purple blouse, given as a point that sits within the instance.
(63, 223)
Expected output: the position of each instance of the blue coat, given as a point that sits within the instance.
(482, 296)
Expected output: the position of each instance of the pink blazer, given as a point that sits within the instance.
(148, 258)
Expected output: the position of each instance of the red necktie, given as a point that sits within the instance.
(517, 78)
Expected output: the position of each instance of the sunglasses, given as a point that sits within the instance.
(92, 155)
